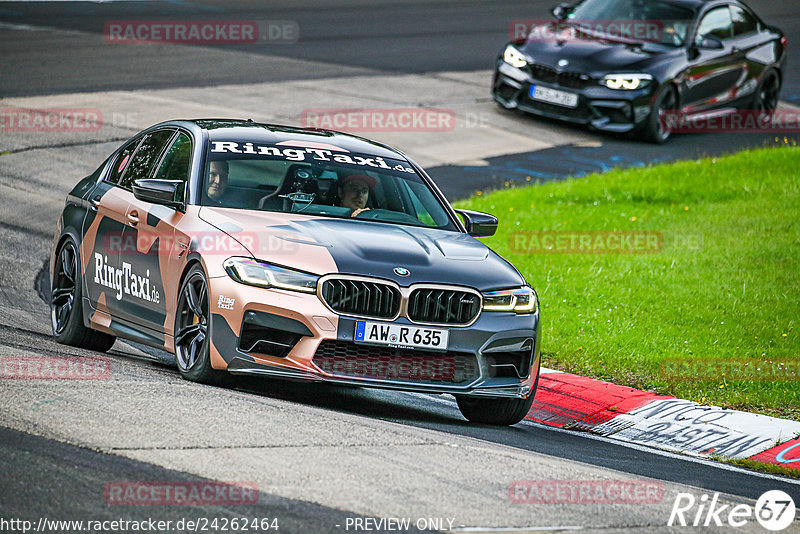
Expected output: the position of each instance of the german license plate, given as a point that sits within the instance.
(553, 96)
(401, 336)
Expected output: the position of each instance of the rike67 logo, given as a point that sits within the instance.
(774, 510)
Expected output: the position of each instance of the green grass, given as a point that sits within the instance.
(725, 285)
(764, 467)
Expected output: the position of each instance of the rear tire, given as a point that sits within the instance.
(768, 93)
(66, 303)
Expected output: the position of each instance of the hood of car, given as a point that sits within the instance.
(593, 56)
(382, 250)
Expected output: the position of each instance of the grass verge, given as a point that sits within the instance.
(764, 467)
(714, 279)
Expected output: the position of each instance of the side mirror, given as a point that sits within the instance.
(709, 42)
(479, 224)
(561, 11)
(158, 192)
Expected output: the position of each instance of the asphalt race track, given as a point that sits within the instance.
(321, 457)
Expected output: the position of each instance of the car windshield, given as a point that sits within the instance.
(649, 20)
(320, 180)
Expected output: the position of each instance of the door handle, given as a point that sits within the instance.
(133, 217)
(95, 202)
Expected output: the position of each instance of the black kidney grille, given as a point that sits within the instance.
(358, 297)
(344, 358)
(573, 80)
(443, 306)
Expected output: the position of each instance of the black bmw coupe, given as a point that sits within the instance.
(621, 65)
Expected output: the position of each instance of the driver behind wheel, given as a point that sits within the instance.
(354, 191)
(217, 181)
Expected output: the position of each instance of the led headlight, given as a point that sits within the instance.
(257, 273)
(514, 57)
(626, 82)
(519, 300)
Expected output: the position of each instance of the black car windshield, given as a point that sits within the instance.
(318, 179)
(661, 22)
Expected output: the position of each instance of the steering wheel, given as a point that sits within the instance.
(387, 215)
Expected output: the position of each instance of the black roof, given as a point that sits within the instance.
(695, 4)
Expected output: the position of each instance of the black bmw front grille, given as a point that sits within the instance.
(573, 80)
(344, 358)
(359, 297)
(443, 306)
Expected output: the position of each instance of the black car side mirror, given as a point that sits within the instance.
(158, 192)
(479, 224)
(561, 11)
(709, 42)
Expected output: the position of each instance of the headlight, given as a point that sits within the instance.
(519, 300)
(256, 273)
(514, 57)
(627, 82)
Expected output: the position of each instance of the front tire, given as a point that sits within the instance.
(502, 412)
(655, 128)
(193, 330)
(66, 303)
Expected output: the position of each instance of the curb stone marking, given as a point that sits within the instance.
(579, 403)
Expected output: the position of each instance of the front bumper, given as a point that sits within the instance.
(496, 356)
(598, 107)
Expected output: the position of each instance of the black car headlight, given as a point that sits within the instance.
(519, 300)
(514, 57)
(260, 274)
(626, 82)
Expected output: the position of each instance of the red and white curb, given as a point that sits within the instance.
(578, 403)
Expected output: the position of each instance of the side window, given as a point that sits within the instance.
(716, 23)
(743, 22)
(145, 157)
(177, 160)
(121, 163)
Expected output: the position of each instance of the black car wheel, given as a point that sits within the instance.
(502, 412)
(66, 303)
(767, 94)
(655, 128)
(192, 330)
